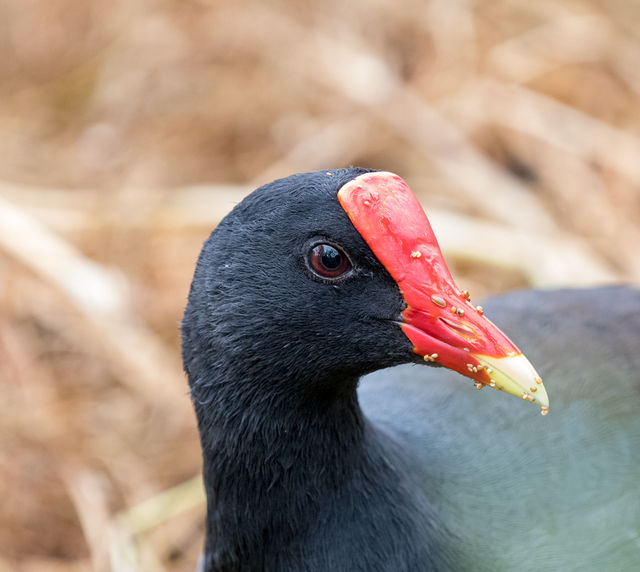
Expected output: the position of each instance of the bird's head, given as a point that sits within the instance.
(329, 275)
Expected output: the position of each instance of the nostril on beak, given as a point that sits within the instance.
(461, 329)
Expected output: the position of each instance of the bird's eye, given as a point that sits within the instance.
(328, 261)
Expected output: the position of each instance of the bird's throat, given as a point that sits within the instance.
(270, 461)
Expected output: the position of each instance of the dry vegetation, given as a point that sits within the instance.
(129, 128)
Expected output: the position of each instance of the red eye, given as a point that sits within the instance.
(328, 261)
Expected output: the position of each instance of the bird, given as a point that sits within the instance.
(323, 342)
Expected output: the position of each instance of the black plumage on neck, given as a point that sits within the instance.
(307, 485)
(270, 463)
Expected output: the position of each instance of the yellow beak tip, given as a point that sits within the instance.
(515, 375)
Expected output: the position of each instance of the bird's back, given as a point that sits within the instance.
(518, 491)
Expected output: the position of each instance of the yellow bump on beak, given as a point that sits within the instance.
(516, 375)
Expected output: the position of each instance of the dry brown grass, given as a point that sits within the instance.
(129, 128)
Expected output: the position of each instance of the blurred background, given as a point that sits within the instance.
(129, 128)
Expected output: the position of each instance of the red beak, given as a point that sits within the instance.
(439, 319)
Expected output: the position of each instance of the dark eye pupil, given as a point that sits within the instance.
(328, 261)
(330, 257)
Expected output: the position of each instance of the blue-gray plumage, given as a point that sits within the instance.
(520, 491)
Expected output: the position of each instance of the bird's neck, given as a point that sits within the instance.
(272, 458)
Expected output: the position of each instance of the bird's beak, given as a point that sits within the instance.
(440, 321)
